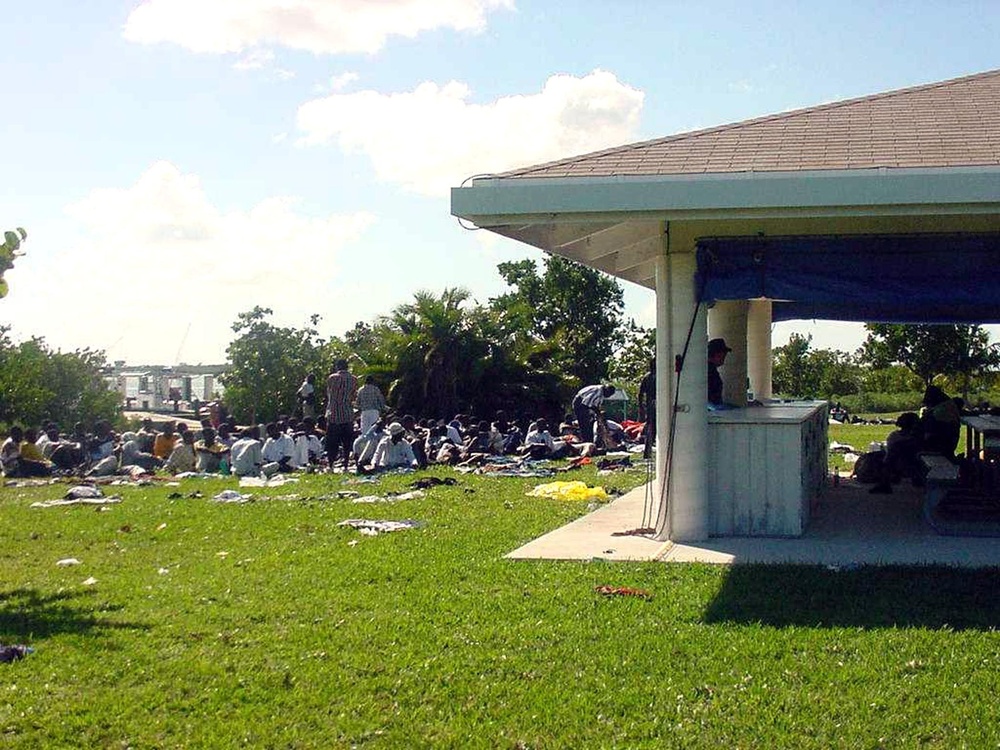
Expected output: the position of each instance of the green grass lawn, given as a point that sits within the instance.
(857, 435)
(267, 625)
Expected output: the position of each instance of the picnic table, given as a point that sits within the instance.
(966, 502)
(982, 436)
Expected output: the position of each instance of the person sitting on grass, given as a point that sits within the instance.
(416, 436)
(539, 443)
(279, 451)
(247, 453)
(163, 444)
(393, 451)
(103, 443)
(308, 447)
(33, 462)
(210, 452)
(15, 456)
(64, 454)
(182, 458)
(147, 435)
(134, 455)
(10, 452)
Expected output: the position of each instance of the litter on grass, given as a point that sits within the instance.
(67, 561)
(109, 500)
(506, 466)
(576, 490)
(622, 591)
(276, 481)
(836, 447)
(413, 495)
(373, 528)
(83, 492)
(29, 482)
(232, 496)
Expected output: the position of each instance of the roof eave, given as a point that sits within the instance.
(496, 201)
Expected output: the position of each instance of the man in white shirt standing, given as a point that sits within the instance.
(306, 395)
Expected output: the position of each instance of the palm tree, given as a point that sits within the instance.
(432, 342)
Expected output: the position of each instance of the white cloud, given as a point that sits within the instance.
(160, 257)
(342, 81)
(433, 137)
(319, 26)
(254, 59)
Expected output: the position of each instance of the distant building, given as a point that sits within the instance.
(165, 388)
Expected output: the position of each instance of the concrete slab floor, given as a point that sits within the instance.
(848, 527)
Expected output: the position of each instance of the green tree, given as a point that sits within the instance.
(820, 373)
(38, 384)
(952, 350)
(9, 250)
(891, 379)
(790, 374)
(516, 373)
(266, 364)
(577, 308)
(435, 350)
(636, 347)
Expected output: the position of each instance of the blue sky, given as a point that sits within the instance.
(177, 162)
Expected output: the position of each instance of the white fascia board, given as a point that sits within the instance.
(865, 191)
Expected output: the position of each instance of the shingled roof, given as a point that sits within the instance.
(953, 123)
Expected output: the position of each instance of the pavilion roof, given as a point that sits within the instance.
(954, 123)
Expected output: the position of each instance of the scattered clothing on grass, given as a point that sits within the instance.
(373, 528)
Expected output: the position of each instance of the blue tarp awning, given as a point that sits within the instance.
(888, 279)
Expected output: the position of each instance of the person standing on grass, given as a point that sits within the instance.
(587, 405)
(306, 396)
(370, 402)
(341, 390)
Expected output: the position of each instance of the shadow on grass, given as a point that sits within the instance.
(28, 613)
(866, 597)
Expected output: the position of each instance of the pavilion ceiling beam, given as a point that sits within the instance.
(643, 274)
(550, 236)
(630, 257)
(607, 241)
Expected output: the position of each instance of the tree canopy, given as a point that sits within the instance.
(38, 384)
(267, 363)
(955, 351)
(578, 308)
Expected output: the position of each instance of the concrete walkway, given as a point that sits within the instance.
(848, 527)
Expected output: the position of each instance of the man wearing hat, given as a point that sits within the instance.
(717, 351)
(393, 452)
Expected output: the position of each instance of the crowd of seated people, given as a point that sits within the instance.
(288, 445)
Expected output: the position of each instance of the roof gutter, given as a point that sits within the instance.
(490, 201)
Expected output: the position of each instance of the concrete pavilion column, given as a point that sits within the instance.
(727, 319)
(759, 357)
(683, 513)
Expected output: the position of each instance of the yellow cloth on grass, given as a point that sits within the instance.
(569, 491)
